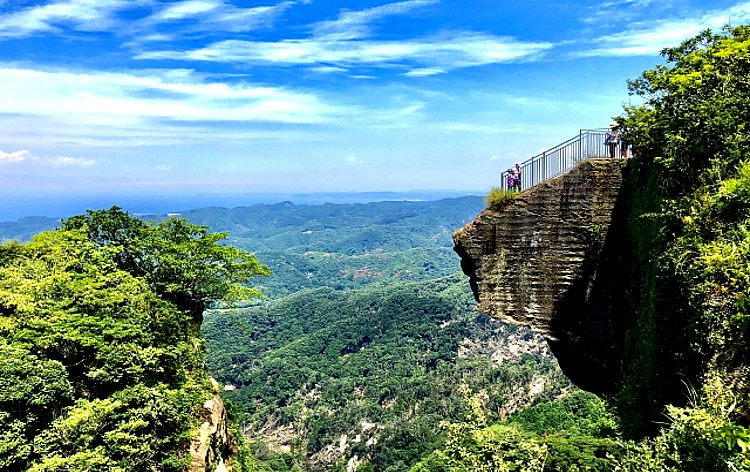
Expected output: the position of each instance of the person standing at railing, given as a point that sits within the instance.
(517, 177)
(612, 139)
(510, 179)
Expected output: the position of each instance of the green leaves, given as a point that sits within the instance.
(698, 113)
(691, 275)
(135, 429)
(102, 358)
(181, 262)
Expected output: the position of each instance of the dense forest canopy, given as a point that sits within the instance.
(102, 356)
(380, 366)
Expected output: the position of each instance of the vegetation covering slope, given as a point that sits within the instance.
(99, 333)
(345, 246)
(690, 217)
(367, 375)
(378, 377)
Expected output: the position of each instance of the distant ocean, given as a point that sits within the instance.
(13, 207)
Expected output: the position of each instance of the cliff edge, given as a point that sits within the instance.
(553, 259)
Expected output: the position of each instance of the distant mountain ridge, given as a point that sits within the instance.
(57, 206)
(338, 245)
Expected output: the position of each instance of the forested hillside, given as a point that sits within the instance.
(332, 245)
(325, 377)
(346, 245)
(363, 371)
(99, 333)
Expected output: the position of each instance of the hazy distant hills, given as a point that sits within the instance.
(345, 245)
(337, 245)
(15, 206)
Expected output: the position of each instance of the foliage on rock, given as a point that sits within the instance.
(102, 359)
(497, 198)
(690, 221)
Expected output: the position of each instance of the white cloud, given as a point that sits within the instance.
(137, 96)
(352, 160)
(443, 52)
(355, 24)
(649, 38)
(16, 156)
(165, 167)
(186, 9)
(624, 11)
(217, 15)
(64, 161)
(327, 69)
(104, 15)
(424, 71)
(59, 161)
(85, 15)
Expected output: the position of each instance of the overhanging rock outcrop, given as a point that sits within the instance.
(553, 259)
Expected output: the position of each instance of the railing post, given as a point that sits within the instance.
(580, 147)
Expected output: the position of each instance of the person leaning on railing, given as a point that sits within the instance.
(623, 145)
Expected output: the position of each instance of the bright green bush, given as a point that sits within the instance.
(497, 198)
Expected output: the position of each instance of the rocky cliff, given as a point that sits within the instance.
(553, 259)
(213, 443)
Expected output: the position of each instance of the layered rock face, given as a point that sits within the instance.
(553, 259)
(213, 442)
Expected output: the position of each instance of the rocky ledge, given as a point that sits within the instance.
(552, 259)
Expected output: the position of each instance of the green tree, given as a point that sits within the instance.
(690, 227)
(102, 357)
(181, 261)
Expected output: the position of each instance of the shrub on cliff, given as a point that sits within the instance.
(497, 198)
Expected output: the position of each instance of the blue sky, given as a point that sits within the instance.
(218, 96)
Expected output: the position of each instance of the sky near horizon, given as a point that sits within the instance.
(202, 96)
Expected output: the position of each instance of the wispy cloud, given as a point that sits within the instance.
(623, 11)
(59, 161)
(105, 16)
(424, 72)
(649, 38)
(424, 56)
(186, 9)
(217, 15)
(15, 156)
(165, 167)
(176, 96)
(64, 161)
(83, 15)
(356, 24)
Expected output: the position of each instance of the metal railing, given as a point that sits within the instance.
(589, 144)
